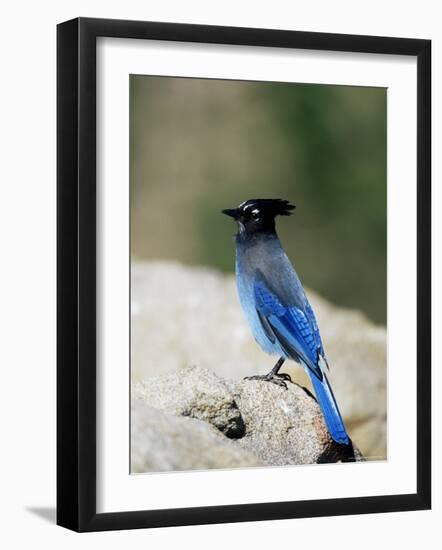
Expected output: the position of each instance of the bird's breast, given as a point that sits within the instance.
(245, 277)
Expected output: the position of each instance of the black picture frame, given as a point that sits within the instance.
(76, 273)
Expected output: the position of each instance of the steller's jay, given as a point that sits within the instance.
(276, 307)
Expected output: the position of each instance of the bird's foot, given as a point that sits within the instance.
(275, 378)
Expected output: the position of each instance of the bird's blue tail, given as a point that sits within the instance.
(330, 411)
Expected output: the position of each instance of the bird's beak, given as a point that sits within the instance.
(232, 212)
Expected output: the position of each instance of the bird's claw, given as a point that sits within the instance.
(278, 379)
(284, 376)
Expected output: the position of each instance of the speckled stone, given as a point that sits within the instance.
(162, 442)
(195, 392)
(273, 425)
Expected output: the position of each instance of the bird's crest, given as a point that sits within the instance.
(273, 207)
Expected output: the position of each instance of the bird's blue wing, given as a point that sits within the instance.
(297, 333)
(298, 336)
(314, 326)
(290, 326)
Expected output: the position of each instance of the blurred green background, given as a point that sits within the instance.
(198, 146)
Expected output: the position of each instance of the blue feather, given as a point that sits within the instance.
(314, 326)
(290, 326)
(329, 408)
(298, 336)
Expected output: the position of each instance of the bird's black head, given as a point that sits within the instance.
(258, 215)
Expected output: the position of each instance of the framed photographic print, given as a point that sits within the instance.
(243, 274)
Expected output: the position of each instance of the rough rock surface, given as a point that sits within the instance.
(270, 424)
(198, 393)
(162, 442)
(185, 316)
(286, 426)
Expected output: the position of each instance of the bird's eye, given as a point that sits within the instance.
(255, 213)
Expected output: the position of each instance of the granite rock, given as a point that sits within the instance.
(273, 425)
(163, 442)
(194, 392)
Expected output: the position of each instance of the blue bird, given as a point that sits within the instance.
(276, 306)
